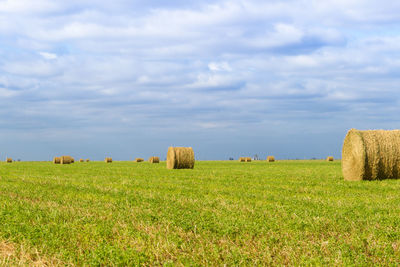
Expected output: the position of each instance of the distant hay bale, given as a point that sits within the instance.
(139, 160)
(270, 159)
(57, 160)
(81, 160)
(371, 155)
(9, 160)
(154, 160)
(330, 158)
(87, 160)
(108, 160)
(180, 158)
(244, 159)
(66, 160)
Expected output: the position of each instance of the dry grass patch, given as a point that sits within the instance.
(13, 255)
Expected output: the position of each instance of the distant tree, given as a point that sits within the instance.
(230, 158)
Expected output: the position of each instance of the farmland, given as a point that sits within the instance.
(221, 212)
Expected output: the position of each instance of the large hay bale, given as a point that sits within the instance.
(57, 160)
(371, 155)
(65, 160)
(81, 160)
(248, 159)
(242, 159)
(108, 160)
(329, 158)
(180, 158)
(270, 159)
(87, 160)
(154, 160)
(9, 160)
(139, 160)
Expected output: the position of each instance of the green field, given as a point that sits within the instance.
(258, 213)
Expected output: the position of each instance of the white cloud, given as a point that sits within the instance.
(4, 92)
(219, 66)
(47, 55)
(30, 68)
(27, 6)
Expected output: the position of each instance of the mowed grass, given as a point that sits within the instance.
(258, 213)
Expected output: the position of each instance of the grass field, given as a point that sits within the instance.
(258, 213)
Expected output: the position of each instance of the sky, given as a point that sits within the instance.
(127, 79)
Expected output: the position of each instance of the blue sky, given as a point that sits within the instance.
(127, 79)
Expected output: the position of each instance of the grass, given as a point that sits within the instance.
(258, 213)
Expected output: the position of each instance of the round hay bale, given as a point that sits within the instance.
(65, 160)
(154, 160)
(139, 160)
(57, 160)
(371, 155)
(242, 159)
(330, 158)
(270, 159)
(81, 160)
(108, 160)
(180, 158)
(248, 159)
(87, 160)
(9, 160)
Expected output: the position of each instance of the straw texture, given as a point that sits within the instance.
(371, 155)
(330, 158)
(180, 158)
(270, 159)
(154, 160)
(66, 160)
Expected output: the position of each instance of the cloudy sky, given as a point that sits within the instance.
(126, 79)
